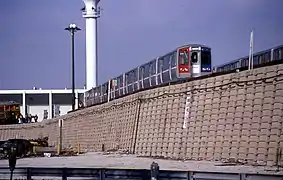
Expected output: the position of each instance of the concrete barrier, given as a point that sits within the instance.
(230, 117)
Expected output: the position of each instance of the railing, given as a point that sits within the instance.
(126, 174)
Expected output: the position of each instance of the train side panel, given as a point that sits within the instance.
(278, 53)
(260, 58)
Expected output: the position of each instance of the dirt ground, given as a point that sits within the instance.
(99, 160)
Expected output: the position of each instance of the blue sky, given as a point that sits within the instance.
(35, 49)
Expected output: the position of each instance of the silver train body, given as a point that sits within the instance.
(191, 60)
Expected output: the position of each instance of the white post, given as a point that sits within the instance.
(77, 100)
(50, 106)
(91, 14)
(24, 104)
(251, 51)
(252, 56)
(84, 100)
(187, 112)
(109, 90)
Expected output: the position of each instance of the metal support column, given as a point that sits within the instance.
(50, 113)
(24, 104)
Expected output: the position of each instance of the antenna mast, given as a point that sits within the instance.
(251, 57)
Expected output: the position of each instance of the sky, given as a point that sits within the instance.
(36, 51)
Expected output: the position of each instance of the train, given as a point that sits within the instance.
(183, 63)
(190, 60)
(9, 112)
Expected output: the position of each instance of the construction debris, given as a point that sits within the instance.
(116, 151)
(42, 142)
(69, 153)
(47, 155)
(31, 148)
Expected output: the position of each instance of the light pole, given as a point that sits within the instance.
(72, 29)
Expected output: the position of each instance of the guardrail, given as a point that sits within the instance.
(129, 174)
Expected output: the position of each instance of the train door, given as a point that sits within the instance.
(183, 61)
(201, 61)
(195, 61)
(205, 58)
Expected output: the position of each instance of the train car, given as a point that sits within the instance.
(9, 112)
(261, 58)
(187, 61)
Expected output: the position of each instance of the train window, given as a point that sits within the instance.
(245, 62)
(166, 62)
(173, 59)
(166, 76)
(160, 64)
(135, 75)
(95, 93)
(205, 58)
(150, 69)
(267, 56)
(141, 73)
(153, 67)
(132, 77)
(232, 66)
(277, 54)
(104, 88)
(225, 68)
(255, 60)
(194, 57)
(92, 92)
(127, 79)
(183, 58)
(262, 58)
(120, 81)
(146, 70)
(174, 74)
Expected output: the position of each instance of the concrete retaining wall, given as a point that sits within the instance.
(235, 116)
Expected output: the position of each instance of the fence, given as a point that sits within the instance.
(129, 174)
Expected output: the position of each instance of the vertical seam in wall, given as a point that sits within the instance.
(164, 122)
(279, 151)
(136, 125)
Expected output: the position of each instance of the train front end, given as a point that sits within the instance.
(193, 61)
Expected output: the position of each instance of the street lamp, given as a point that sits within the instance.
(73, 28)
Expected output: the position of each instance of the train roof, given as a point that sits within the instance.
(194, 45)
(7, 103)
(190, 45)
